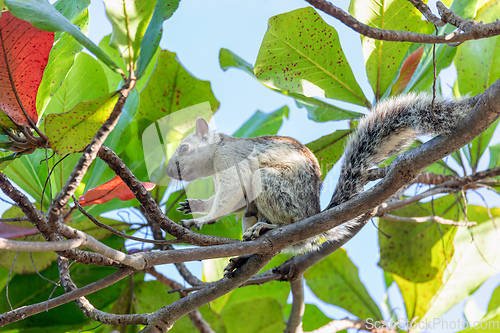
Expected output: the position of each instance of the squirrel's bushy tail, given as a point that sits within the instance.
(390, 127)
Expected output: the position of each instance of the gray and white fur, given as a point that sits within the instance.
(277, 179)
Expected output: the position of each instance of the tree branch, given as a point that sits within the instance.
(476, 31)
(425, 10)
(294, 324)
(437, 219)
(450, 17)
(11, 245)
(135, 260)
(451, 186)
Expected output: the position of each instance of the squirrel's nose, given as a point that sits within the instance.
(174, 170)
(171, 167)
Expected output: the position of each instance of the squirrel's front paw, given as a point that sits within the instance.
(195, 223)
(191, 206)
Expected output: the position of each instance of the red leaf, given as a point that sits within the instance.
(8, 230)
(24, 53)
(407, 70)
(115, 188)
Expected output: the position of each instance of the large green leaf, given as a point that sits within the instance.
(490, 322)
(130, 19)
(45, 17)
(114, 79)
(301, 54)
(6, 159)
(383, 58)
(477, 60)
(100, 172)
(494, 304)
(85, 81)
(30, 172)
(329, 149)
(213, 270)
(163, 10)
(72, 131)
(422, 259)
(262, 123)
(263, 315)
(476, 258)
(63, 53)
(30, 289)
(335, 280)
(417, 253)
(74, 11)
(317, 110)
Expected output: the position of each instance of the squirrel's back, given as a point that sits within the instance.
(290, 177)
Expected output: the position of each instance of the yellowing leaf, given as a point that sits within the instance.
(72, 131)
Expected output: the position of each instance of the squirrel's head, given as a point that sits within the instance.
(193, 158)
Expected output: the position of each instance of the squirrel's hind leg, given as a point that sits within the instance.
(286, 195)
(258, 229)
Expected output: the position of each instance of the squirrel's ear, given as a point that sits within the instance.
(201, 127)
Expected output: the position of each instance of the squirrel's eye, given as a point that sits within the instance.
(183, 149)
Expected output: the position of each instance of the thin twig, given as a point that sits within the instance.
(12, 245)
(424, 219)
(15, 219)
(118, 233)
(452, 18)
(426, 11)
(47, 181)
(136, 260)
